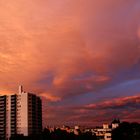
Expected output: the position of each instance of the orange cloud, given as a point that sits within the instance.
(35, 43)
(61, 49)
(6, 92)
(50, 97)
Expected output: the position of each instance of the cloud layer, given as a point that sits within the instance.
(70, 52)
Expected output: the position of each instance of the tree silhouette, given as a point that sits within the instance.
(126, 131)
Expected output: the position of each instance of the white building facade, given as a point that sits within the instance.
(20, 114)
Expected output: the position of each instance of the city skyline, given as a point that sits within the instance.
(82, 57)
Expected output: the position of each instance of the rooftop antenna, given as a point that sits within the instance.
(20, 89)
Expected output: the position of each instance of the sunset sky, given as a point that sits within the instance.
(81, 56)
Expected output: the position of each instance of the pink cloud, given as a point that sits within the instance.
(125, 108)
(129, 101)
(50, 97)
(62, 49)
(35, 43)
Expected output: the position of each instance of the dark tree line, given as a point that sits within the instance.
(127, 131)
(57, 135)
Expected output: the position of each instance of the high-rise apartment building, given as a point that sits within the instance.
(20, 114)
